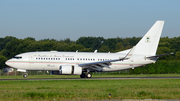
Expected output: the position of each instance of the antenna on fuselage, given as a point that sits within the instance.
(76, 51)
(95, 51)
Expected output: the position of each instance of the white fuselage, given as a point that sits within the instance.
(53, 60)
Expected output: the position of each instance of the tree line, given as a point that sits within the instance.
(11, 46)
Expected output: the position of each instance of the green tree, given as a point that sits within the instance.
(104, 49)
(3, 59)
(91, 42)
(177, 55)
(4, 41)
(10, 49)
(133, 41)
(111, 43)
(175, 43)
(119, 46)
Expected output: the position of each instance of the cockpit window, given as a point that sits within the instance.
(17, 57)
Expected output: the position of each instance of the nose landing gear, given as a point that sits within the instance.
(25, 75)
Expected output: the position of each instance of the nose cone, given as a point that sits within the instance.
(8, 62)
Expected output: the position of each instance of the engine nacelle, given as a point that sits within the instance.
(68, 69)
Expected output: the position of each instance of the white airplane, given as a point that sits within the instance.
(82, 63)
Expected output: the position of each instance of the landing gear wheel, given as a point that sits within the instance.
(88, 75)
(25, 75)
(83, 75)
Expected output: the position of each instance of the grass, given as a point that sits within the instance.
(90, 89)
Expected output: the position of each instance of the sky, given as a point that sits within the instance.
(61, 19)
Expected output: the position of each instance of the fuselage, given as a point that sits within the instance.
(53, 60)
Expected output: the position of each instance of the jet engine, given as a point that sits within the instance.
(68, 69)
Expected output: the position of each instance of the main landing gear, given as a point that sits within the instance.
(87, 75)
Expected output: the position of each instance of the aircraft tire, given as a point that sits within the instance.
(25, 75)
(83, 75)
(88, 75)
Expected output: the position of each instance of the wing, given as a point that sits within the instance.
(98, 66)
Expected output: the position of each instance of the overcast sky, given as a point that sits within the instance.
(61, 19)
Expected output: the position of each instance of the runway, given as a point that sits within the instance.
(95, 78)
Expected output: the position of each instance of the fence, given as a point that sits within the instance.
(16, 73)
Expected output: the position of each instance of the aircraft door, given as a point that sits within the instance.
(31, 58)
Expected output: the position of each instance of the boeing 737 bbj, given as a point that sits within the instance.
(83, 63)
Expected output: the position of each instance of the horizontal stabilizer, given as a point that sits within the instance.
(152, 57)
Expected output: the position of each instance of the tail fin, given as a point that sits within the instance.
(148, 44)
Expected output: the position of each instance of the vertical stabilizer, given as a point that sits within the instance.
(148, 44)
